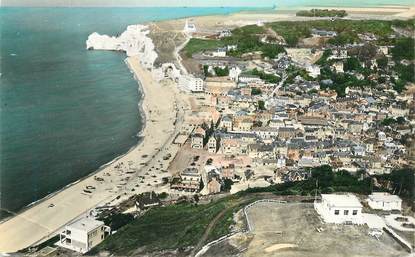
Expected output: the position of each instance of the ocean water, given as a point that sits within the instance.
(65, 111)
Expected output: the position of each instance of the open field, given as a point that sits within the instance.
(291, 230)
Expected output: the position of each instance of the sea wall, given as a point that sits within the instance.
(134, 41)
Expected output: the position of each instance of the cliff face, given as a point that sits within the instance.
(134, 42)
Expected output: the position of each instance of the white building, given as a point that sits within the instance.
(225, 33)
(191, 84)
(339, 209)
(338, 66)
(219, 52)
(189, 27)
(234, 73)
(313, 70)
(83, 234)
(248, 78)
(384, 201)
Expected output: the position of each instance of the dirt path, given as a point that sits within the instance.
(203, 239)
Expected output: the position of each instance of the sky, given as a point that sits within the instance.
(204, 3)
(259, 3)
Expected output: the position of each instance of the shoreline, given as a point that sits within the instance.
(139, 134)
(44, 222)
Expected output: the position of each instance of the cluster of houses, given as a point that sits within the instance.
(288, 126)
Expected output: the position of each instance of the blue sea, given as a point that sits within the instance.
(65, 111)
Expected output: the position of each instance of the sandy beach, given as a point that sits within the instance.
(40, 221)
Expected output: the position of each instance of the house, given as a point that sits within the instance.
(189, 180)
(218, 85)
(248, 78)
(323, 33)
(225, 33)
(234, 73)
(190, 84)
(197, 141)
(338, 66)
(384, 201)
(307, 162)
(287, 133)
(334, 208)
(212, 144)
(214, 186)
(83, 234)
(313, 70)
(147, 200)
(296, 175)
(227, 123)
(219, 52)
(230, 146)
(243, 125)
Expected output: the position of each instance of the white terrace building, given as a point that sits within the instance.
(384, 201)
(339, 209)
(83, 234)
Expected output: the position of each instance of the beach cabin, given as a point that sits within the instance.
(339, 209)
(82, 235)
(384, 201)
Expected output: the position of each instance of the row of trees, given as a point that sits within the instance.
(322, 13)
(270, 78)
(220, 72)
(324, 180)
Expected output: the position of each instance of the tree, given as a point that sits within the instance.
(227, 185)
(352, 64)
(403, 49)
(399, 85)
(261, 105)
(403, 182)
(221, 72)
(163, 195)
(324, 175)
(382, 62)
(256, 91)
(206, 70)
(271, 51)
(196, 198)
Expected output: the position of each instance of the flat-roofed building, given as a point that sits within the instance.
(219, 85)
(334, 208)
(83, 234)
(384, 201)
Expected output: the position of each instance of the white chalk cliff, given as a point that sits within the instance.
(134, 42)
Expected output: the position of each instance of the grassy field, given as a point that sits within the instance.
(247, 37)
(173, 226)
(347, 30)
(196, 45)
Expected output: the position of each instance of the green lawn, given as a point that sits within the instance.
(292, 31)
(172, 227)
(196, 45)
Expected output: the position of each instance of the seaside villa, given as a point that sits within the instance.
(339, 209)
(384, 201)
(82, 235)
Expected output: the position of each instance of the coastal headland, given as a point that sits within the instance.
(143, 168)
